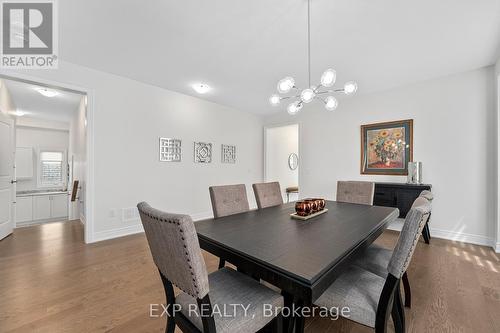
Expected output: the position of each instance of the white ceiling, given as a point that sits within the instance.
(241, 48)
(27, 99)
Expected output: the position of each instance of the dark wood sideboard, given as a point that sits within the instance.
(401, 196)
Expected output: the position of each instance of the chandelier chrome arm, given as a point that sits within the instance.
(312, 92)
(330, 91)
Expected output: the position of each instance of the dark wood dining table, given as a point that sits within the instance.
(302, 258)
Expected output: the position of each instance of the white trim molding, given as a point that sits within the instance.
(118, 232)
(453, 235)
(137, 228)
(463, 237)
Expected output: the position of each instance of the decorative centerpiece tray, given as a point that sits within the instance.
(308, 208)
(307, 217)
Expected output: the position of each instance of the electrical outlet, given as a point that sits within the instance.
(113, 213)
(130, 214)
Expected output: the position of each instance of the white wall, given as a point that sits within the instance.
(6, 103)
(497, 165)
(42, 123)
(454, 137)
(38, 138)
(129, 117)
(281, 141)
(78, 156)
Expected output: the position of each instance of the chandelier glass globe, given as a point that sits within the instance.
(274, 100)
(350, 88)
(285, 85)
(328, 78)
(294, 107)
(307, 95)
(331, 103)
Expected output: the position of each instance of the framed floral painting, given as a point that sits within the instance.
(386, 148)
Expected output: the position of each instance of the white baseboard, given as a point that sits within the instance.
(119, 232)
(452, 235)
(136, 228)
(38, 222)
(462, 237)
(82, 219)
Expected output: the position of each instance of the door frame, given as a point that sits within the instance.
(90, 165)
(264, 158)
(12, 177)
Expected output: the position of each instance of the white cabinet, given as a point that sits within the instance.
(58, 205)
(24, 209)
(41, 207)
(24, 162)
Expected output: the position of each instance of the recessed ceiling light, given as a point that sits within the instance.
(201, 88)
(47, 92)
(18, 113)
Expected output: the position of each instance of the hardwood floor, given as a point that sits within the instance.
(50, 281)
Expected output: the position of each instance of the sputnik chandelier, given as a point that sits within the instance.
(323, 91)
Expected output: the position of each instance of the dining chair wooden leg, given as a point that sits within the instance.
(426, 233)
(170, 301)
(278, 324)
(300, 324)
(386, 304)
(288, 321)
(208, 322)
(299, 321)
(401, 309)
(222, 263)
(396, 317)
(407, 289)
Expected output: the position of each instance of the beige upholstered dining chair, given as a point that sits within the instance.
(176, 252)
(357, 192)
(371, 297)
(375, 258)
(228, 200)
(427, 232)
(267, 194)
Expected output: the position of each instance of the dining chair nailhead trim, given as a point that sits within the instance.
(186, 253)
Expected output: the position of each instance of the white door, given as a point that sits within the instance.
(59, 205)
(6, 176)
(41, 207)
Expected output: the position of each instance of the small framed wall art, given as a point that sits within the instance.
(170, 150)
(202, 152)
(228, 154)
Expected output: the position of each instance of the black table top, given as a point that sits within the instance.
(304, 250)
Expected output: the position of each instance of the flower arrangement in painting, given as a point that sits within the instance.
(387, 148)
(388, 145)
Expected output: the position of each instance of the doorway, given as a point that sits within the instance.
(49, 153)
(6, 174)
(282, 159)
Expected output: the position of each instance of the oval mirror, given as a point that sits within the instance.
(293, 161)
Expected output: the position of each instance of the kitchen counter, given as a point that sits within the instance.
(39, 192)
